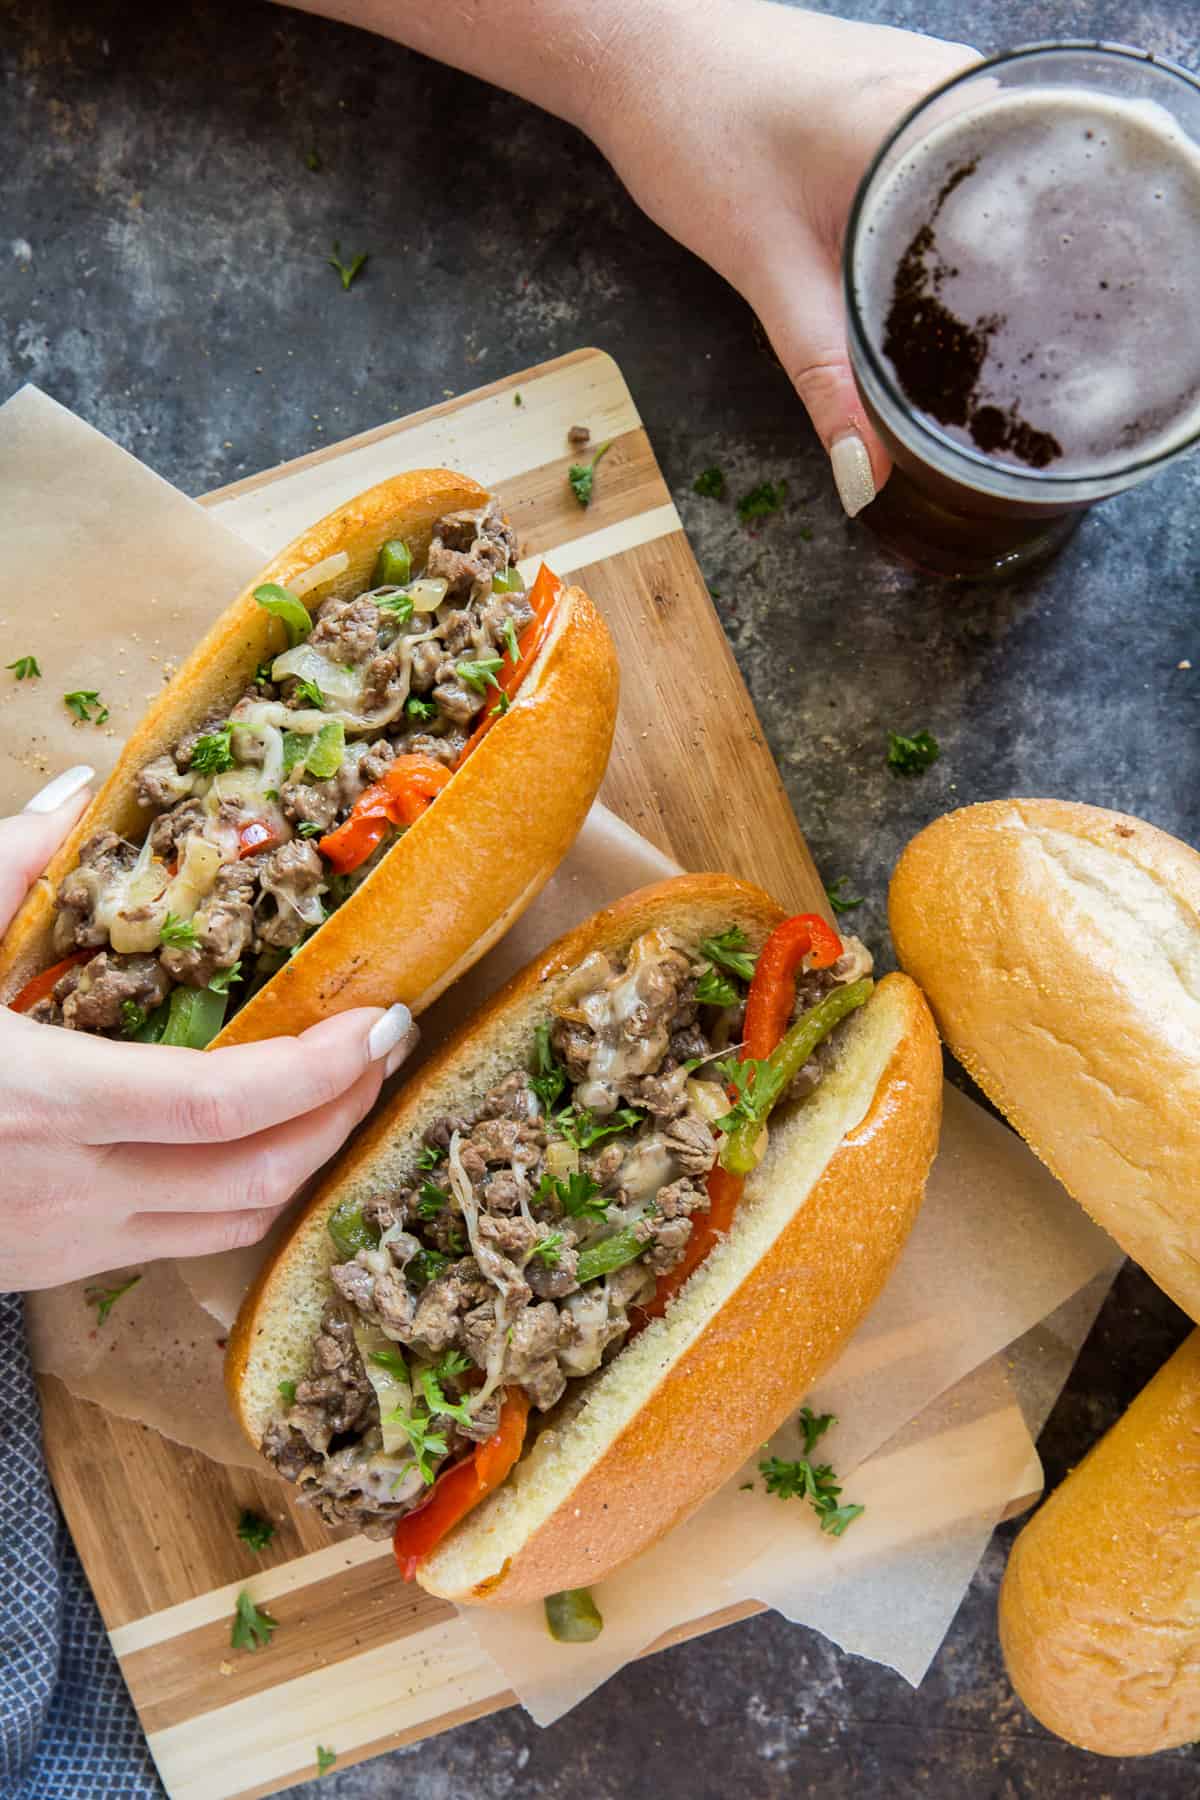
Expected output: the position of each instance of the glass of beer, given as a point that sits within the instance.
(1022, 272)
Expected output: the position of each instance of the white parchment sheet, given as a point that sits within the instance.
(108, 576)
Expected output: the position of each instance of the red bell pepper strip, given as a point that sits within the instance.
(256, 836)
(406, 789)
(768, 1009)
(543, 597)
(43, 984)
(459, 1490)
(773, 989)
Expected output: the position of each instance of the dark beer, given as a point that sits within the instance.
(1022, 282)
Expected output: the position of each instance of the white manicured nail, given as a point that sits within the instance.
(403, 1050)
(852, 473)
(387, 1032)
(64, 787)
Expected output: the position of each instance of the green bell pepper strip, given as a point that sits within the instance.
(295, 748)
(573, 1617)
(350, 1231)
(508, 581)
(609, 1254)
(325, 751)
(786, 1060)
(287, 607)
(195, 1017)
(393, 566)
(152, 1030)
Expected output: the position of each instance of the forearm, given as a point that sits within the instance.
(570, 57)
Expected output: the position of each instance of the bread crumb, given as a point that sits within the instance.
(1185, 664)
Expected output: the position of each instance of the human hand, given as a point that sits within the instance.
(120, 1153)
(743, 128)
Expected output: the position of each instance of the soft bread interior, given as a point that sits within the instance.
(803, 1141)
(280, 1316)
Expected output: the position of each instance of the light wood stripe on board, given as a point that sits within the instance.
(488, 436)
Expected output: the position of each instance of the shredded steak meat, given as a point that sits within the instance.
(477, 1270)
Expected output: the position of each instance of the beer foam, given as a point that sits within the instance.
(1064, 229)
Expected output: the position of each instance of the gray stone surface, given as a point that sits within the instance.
(162, 246)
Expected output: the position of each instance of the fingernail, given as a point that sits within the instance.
(386, 1033)
(852, 473)
(64, 787)
(403, 1050)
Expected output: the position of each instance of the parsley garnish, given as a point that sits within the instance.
(308, 690)
(430, 1157)
(549, 1077)
(133, 1017)
(715, 989)
(425, 1443)
(252, 1625)
(740, 1076)
(427, 1265)
(840, 901)
(582, 475)
(104, 1299)
(761, 501)
(288, 1390)
(262, 674)
(400, 604)
(501, 707)
(392, 1361)
(325, 1757)
(437, 1402)
(347, 271)
(912, 755)
(709, 484)
(480, 675)
(81, 703)
(581, 1127)
(24, 668)
(254, 1530)
(312, 161)
(728, 950)
(452, 1364)
(307, 828)
(814, 1482)
(224, 979)
(517, 400)
(814, 1426)
(576, 1196)
(509, 634)
(211, 754)
(179, 933)
(420, 709)
(549, 1249)
(431, 1200)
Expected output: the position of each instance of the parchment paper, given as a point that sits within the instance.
(998, 1251)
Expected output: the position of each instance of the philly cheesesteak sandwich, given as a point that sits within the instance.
(520, 1263)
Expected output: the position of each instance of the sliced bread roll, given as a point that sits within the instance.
(1059, 947)
(1100, 1605)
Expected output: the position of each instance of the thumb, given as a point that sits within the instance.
(29, 839)
(804, 317)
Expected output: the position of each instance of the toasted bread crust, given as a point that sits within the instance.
(1059, 946)
(763, 1332)
(456, 881)
(1099, 1620)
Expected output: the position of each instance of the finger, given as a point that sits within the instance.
(805, 321)
(147, 1237)
(29, 839)
(255, 1174)
(112, 1093)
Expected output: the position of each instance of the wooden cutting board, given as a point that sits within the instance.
(364, 1662)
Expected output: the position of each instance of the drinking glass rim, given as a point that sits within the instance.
(857, 326)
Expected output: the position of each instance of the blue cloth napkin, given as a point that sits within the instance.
(68, 1730)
